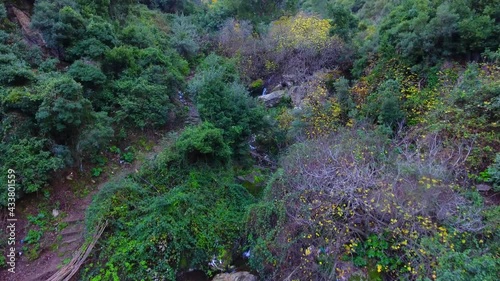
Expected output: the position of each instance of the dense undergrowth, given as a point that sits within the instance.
(380, 162)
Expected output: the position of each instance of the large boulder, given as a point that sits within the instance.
(237, 276)
(272, 99)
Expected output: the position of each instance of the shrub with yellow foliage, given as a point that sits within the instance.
(322, 112)
(301, 31)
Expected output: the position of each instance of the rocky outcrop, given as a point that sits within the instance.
(32, 36)
(296, 93)
(237, 276)
(272, 99)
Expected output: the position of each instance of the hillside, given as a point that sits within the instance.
(291, 139)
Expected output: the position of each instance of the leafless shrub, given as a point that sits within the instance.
(263, 57)
(234, 36)
(432, 172)
(237, 39)
(342, 189)
(302, 62)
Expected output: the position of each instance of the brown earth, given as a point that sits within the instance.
(71, 193)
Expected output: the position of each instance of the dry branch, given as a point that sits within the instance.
(69, 270)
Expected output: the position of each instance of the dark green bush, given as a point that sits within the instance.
(470, 259)
(175, 67)
(494, 173)
(223, 101)
(91, 48)
(64, 109)
(261, 10)
(13, 70)
(48, 65)
(87, 73)
(344, 23)
(59, 21)
(139, 35)
(203, 143)
(20, 98)
(141, 103)
(344, 98)
(385, 105)
(95, 136)
(426, 31)
(31, 160)
(172, 6)
(119, 59)
(3, 12)
(15, 126)
(98, 7)
(184, 36)
(102, 30)
(214, 17)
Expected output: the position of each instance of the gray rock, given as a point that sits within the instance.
(272, 99)
(278, 87)
(237, 276)
(483, 187)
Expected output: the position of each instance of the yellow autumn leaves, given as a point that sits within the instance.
(301, 30)
(324, 114)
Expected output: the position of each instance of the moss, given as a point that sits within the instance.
(257, 84)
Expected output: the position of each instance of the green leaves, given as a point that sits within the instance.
(32, 161)
(260, 10)
(223, 101)
(3, 12)
(494, 173)
(203, 143)
(87, 73)
(13, 70)
(172, 6)
(344, 23)
(385, 105)
(184, 36)
(141, 103)
(476, 30)
(426, 31)
(63, 109)
(172, 229)
(59, 21)
(96, 135)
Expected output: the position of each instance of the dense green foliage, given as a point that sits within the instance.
(222, 100)
(376, 157)
(92, 78)
(34, 161)
(204, 143)
(179, 223)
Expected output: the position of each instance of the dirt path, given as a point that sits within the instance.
(73, 192)
(58, 247)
